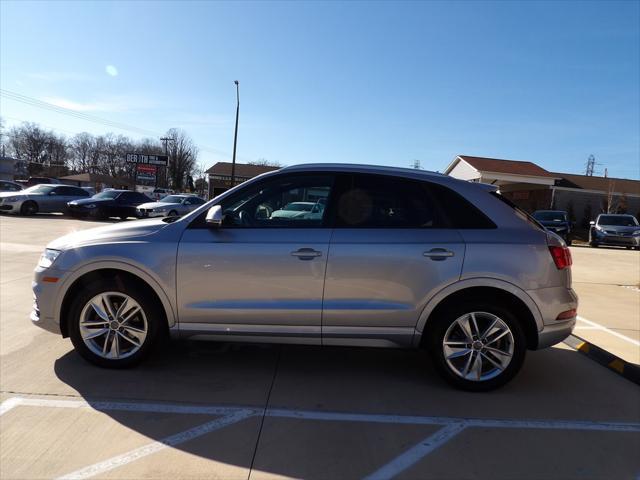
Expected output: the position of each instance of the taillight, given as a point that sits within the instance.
(561, 257)
(566, 315)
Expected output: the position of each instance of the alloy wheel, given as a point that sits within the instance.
(113, 325)
(478, 346)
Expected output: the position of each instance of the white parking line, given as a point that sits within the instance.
(233, 414)
(605, 329)
(417, 452)
(151, 448)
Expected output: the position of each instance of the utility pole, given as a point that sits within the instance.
(235, 136)
(166, 141)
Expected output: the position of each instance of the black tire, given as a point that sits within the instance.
(172, 213)
(568, 241)
(594, 244)
(123, 217)
(29, 208)
(152, 310)
(436, 333)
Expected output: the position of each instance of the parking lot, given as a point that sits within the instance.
(237, 411)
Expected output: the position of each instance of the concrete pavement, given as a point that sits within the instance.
(237, 411)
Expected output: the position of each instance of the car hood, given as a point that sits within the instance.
(158, 205)
(619, 228)
(90, 200)
(18, 193)
(124, 231)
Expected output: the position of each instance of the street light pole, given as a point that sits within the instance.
(235, 135)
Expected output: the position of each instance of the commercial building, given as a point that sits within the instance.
(531, 187)
(220, 175)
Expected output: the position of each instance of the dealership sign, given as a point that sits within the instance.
(141, 159)
(145, 172)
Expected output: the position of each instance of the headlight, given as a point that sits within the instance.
(636, 233)
(599, 228)
(91, 205)
(160, 209)
(48, 257)
(12, 199)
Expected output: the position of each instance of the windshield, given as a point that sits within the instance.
(44, 189)
(618, 220)
(106, 195)
(299, 207)
(172, 199)
(550, 216)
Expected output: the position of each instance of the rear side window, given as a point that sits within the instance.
(519, 212)
(458, 212)
(373, 201)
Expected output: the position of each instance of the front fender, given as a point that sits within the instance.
(71, 277)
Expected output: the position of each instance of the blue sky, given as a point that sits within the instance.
(382, 83)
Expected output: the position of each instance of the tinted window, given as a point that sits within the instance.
(71, 191)
(372, 201)
(106, 195)
(265, 205)
(457, 211)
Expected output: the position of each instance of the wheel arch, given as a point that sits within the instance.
(109, 270)
(504, 292)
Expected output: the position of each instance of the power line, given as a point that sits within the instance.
(34, 102)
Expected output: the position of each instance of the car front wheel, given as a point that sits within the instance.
(114, 323)
(29, 208)
(477, 346)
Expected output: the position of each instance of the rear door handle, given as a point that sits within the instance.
(438, 254)
(306, 253)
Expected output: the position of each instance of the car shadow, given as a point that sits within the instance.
(329, 379)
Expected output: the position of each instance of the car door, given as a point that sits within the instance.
(57, 200)
(389, 253)
(257, 273)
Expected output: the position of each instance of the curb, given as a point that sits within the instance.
(623, 368)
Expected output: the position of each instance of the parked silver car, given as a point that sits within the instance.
(169, 206)
(43, 198)
(399, 258)
(615, 229)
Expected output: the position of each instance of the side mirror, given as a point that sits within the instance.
(592, 223)
(214, 216)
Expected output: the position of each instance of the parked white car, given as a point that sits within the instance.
(169, 206)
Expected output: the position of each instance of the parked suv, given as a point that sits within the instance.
(556, 221)
(397, 258)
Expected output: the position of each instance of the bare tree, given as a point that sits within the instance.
(183, 155)
(80, 147)
(265, 163)
(28, 142)
(611, 203)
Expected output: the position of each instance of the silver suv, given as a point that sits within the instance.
(393, 258)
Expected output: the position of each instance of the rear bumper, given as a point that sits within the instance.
(552, 302)
(552, 334)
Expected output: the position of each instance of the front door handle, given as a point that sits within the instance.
(438, 254)
(306, 253)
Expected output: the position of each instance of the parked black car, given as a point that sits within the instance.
(556, 221)
(110, 203)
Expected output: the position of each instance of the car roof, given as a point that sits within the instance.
(616, 215)
(361, 168)
(550, 211)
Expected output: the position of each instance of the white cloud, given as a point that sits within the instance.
(111, 70)
(106, 104)
(58, 76)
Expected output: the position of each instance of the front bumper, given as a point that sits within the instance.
(618, 240)
(148, 213)
(10, 207)
(45, 295)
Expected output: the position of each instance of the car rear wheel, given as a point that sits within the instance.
(477, 346)
(29, 208)
(114, 323)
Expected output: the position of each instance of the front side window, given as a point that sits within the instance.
(284, 202)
